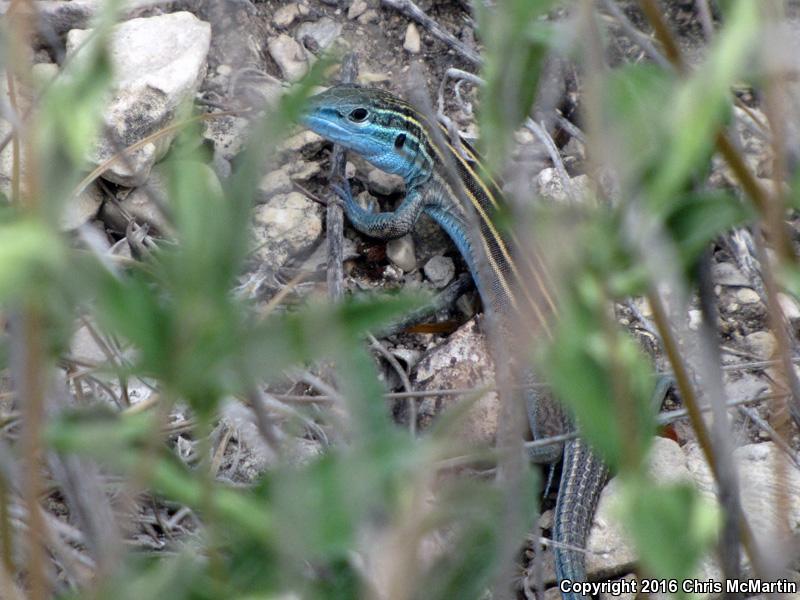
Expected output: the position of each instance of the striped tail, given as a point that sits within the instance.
(582, 478)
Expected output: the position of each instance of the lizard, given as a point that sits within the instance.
(448, 183)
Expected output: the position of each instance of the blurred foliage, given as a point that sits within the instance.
(309, 529)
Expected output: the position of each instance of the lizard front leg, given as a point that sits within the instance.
(382, 225)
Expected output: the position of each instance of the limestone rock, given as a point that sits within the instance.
(610, 549)
(319, 35)
(289, 55)
(81, 209)
(440, 270)
(159, 64)
(412, 42)
(401, 252)
(287, 225)
(382, 183)
(462, 361)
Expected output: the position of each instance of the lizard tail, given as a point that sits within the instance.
(582, 479)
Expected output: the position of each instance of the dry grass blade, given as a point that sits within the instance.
(156, 135)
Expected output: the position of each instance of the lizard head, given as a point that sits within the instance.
(382, 128)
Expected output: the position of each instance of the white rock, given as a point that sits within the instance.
(302, 170)
(306, 142)
(143, 202)
(610, 549)
(695, 319)
(81, 209)
(357, 8)
(761, 343)
(440, 270)
(285, 15)
(382, 183)
(228, 135)
(43, 73)
(728, 274)
(463, 361)
(790, 308)
(369, 16)
(550, 186)
(412, 42)
(289, 55)
(762, 482)
(274, 183)
(747, 296)
(323, 32)
(401, 252)
(287, 225)
(159, 64)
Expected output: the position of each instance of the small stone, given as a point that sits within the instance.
(304, 170)
(274, 183)
(550, 186)
(401, 252)
(789, 306)
(287, 225)
(767, 486)
(227, 134)
(610, 549)
(357, 8)
(285, 15)
(82, 208)
(761, 343)
(369, 16)
(408, 356)
(644, 307)
(384, 183)
(695, 319)
(440, 270)
(393, 273)
(224, 70)
(747, 296)
(322, 33)
(523, 137)
(289, 56)
(160, 62)
(43, 73)
(349, 170)
(366, 201)
(412, 42)
(463, 361)
(305, 142)
(319, 258)
(546, 519)
(728, 274)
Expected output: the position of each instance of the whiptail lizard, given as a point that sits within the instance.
(447, 183)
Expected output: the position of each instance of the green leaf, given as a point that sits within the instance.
(515, 44)
(700, 105)
(671, 525)
(697, 219)
(29, 252)
(599, 372)
(635, 99)
(118, 442)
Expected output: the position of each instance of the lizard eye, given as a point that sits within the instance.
(358, 115)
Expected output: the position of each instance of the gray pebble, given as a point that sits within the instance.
(401, 253)
(440, 270)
